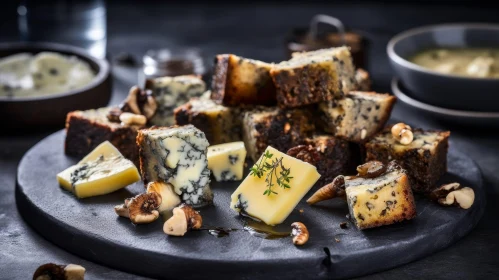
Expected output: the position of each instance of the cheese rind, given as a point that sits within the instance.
(274, 209)
(101, 172)
(177, 155)
(383, 200)
(226, 161)
(170, 92)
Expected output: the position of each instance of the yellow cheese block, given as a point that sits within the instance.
(226, 161)
(275, 208)
(105, 149)
(103, 171)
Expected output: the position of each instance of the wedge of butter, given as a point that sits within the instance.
(102, 171)
(275, 208)
(226, 161)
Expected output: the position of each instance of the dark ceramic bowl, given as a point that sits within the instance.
(51, 110)
(445, 90)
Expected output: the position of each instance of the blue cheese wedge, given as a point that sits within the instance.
(382, 200)
(177, 155)
(226, 161)
(249, 197)
(171, 92)
(103, 171)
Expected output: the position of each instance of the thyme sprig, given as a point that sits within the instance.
(269, 170)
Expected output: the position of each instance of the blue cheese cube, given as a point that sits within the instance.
(226, 161)
(177, 155)
(171, 92)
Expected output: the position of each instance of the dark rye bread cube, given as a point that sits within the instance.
(242, 81)
(85, 130)
(220, 124)
(332, 156)
(425, 159)
(281, 129)
(358, 116)
(313, 77)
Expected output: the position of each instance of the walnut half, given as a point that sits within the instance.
(454, 194)
(55, 271)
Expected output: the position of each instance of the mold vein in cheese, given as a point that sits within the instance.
(177, 155)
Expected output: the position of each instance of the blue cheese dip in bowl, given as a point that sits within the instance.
(454, 66)
(41, 82)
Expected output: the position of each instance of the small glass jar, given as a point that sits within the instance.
(167, 62)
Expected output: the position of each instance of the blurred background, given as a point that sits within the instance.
(126, 30)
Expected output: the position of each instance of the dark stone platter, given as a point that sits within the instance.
(90, 228)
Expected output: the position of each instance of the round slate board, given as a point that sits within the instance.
(90, 228)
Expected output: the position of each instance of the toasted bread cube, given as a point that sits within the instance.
(382, 200)
(281, 129)
(332, 156)
(358, 116)
(425, 159)
(219, 123)
(313, 77)
(242, 81)
(85, 130)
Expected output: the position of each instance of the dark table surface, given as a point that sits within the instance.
(257, 31)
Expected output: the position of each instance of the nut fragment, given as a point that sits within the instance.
(131, 104)
(402, 133)
(50, 271)
(331, 190)
(122, 209)
(169, 199)
(300, 233)
(143, 208)
(114, 114)
(184, 218)
(150, 106)
(371, 169)
(74, 272)
(140, 102)
(132, 119)
(454, 194)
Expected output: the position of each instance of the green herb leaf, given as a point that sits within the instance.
(262, 167)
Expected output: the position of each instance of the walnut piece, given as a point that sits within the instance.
(300, 233)
(50, 271)
(371, 169)
(143, 208)
(184, 218)
(454, 194)
(402, 133)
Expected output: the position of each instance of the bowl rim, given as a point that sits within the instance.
(397, 91)
(390, 48)
(100, 77)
